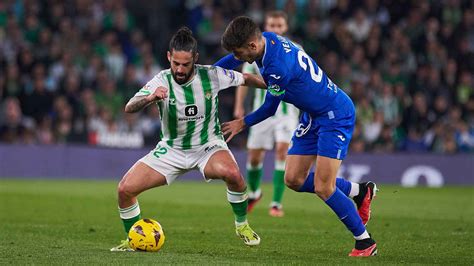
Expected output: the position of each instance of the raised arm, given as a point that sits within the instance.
(144, 97)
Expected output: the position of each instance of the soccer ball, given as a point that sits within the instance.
(146, 235)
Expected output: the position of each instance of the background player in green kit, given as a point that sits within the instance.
(186, 95)
(264, 135)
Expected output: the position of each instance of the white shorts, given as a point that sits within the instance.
(172, 162)
(264, 134)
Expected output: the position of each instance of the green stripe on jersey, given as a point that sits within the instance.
(172, 116)
(190, 125)
(160, 108)
(217, 127)
(284, 108)
(206, 85)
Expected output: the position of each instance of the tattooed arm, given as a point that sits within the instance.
(137, 103)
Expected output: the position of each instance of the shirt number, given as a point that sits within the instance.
(316, 77)
(159, 150)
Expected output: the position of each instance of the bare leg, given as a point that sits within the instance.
(139, 178)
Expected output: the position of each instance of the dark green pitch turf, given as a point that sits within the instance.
(76, 222)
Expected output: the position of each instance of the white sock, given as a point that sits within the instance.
(241, 223)
(130, 212)
(275, 204)
(254, 194)
(354, 190)
(364, 235)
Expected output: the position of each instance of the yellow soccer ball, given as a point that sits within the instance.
(146, 235)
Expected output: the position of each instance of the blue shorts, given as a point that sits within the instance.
(325, 136)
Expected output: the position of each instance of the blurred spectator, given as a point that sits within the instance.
(14, 127)
(387, 103)
(109, 97)
(359, 25)
(72, 65)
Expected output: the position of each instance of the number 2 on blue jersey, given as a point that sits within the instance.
(303, 65)
(316, 77)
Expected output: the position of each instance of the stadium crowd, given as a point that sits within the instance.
(68, 67)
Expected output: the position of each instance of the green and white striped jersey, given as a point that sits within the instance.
(284, 109)
(189, 114)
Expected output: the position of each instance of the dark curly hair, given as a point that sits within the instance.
(183, 40)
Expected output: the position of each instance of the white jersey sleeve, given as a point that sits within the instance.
(151, 86)
(228, 78)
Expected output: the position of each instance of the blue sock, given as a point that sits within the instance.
(341, 183)
(308, 185)
(345, 210)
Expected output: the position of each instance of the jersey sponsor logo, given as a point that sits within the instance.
(275, 90)
(213, 147)
(275, 76)
(191, 110)
(193, 118)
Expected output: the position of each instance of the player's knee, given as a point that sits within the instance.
(124, 190)
(280, 154)
(254, 161)
(232, 175)
(292, 182)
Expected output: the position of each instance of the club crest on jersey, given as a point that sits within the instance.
(275, 90)
(172, 101)
(208, 95)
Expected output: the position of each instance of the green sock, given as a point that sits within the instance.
(254, 177)
(239, 202)
(129, 216)
(278, 181)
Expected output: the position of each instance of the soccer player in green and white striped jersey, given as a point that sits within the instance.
(186, 95)
(275, 130)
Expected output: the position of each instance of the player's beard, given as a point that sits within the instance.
(182, 78)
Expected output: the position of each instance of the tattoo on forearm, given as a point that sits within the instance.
(136, 104)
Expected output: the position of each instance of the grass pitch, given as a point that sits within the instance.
(76, 222)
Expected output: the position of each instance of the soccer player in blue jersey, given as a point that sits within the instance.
(325, 128)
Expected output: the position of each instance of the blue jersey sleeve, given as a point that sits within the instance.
(228, 62)
(277, 80)
(268, 108)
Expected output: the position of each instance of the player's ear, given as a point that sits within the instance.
(196, 57)
(252, 45)
(168, 54)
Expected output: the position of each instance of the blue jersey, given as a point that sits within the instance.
(294, 77)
